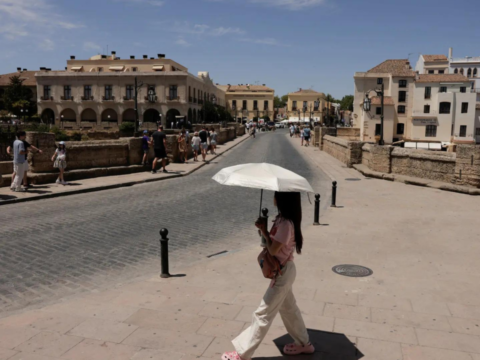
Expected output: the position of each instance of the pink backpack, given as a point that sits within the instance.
(269, 264)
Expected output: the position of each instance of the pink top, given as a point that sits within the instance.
(283, 232)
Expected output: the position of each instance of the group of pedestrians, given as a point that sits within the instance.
(303, 132)
(201, 142)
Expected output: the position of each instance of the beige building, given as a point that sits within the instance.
(249, 101)
(306, 104)
(432, 64)
(100, 92)
(398, 79)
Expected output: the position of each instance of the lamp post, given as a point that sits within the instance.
(24, 113)
(62, 120)
(137, 87)
(367, 104)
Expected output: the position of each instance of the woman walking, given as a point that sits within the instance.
(182, 147)
(213, 141)
(60, 162)
(283, 239)
(196, 146)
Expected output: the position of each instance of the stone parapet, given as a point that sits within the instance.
(467, 166)
(377, 157)
(324, 131)
(348, 152)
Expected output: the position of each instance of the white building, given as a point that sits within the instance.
(432, 64)
(468, 66)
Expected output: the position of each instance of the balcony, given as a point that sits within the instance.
(173, 98)
(87, 98)
(151, 100)
(128, 98)
(108, 98)
(46, 98)
(194, 100)
(200, 102)
(294, 108)
(66, 98)
(190, 99)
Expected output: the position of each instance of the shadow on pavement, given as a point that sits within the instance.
(7, 197)
(32, 191)
(328, 346)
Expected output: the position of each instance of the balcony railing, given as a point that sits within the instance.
(173, 98)
(200, 102)
(294, 108)
(190, 99)
(87, 98)
(108, 98)
(128, 98)
(194, 100)
(66, 98)
(46, 98)
(155, 98)
(422, 113)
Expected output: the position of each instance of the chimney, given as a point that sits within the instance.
(19, 69)
(72, 57)
(43, 68)
(145, 56)
(132, 57)
(450, 53)
(152, 58)
(24, 69)
(104, 56)
(66, 68)
(161, 56)
(263, 84)
(114, 53)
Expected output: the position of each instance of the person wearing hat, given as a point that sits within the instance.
(196, 145)
(145, 145)
(60, 161)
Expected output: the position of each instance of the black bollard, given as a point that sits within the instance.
(316, 216)
(164, 253)
(334, 194)
(263, 241)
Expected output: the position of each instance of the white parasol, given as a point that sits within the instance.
(263, 176)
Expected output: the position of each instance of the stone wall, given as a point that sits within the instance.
(467, 166)
(351, 134)
(438, 166)
(376, 157)
(348, 152)
(324, 131)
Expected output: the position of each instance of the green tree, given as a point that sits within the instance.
(347, 103)
(210, 112)
(331, 99)
(17, 97)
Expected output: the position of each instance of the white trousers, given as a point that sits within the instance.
(19, 173)
(278, 298)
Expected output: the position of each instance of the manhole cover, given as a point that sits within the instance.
(353, 179)
(352, 270)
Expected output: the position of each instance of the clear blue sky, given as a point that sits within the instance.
(286, 44)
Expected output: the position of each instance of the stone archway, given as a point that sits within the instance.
(110, 115)
(129, 115)
(151, 116)
(68, 115)
(89, 115)
(171, 117)
(48, 116)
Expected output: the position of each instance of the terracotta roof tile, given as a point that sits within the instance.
(434, 58)
(248, 88)
(398, 67)
(29, 77)
(426, 78)
(387, 100)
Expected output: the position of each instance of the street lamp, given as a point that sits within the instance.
(24, 113)
(62, 120)
(367, 105)
(137, 87)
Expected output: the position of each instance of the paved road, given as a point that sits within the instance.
(54, 248)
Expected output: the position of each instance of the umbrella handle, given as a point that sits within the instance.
(261, 199)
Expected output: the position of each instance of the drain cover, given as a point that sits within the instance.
(352, 270)
(353, 179)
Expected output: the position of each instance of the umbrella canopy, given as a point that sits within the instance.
(263, 176)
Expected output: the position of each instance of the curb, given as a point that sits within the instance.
(416, 181)
(119, 185)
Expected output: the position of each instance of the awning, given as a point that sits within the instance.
(77, 68)
(158, 67)
(116, 68)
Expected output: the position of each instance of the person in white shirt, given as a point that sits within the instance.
(196, 146)
(60, 162)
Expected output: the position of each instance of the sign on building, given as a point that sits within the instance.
(424, 122)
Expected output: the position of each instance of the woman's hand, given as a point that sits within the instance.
(261, 225)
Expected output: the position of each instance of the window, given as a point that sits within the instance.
(172, 95)
(67, 92)
(378, 110)
(294, 105)
(431, 71)
(441, 71)
(463, 130)
(100, 69)
(401, 109)
(475, 72)
(378, 129)
(455, 71)
(129, 93)
(445, 108)
(428, 92)
(46, 92)
(464, 107)
(244, 105)
(400, 129)
(469, 72)
(463, 89)
(265, 105)
(379, 81)
(426, 109)
(151, 95)
(402, 96)
(87, 91)
(477, 131)
(108, 92)
(443, 89)
(461, 71)
(305, 105)
(431, 131)
(255, 105)
(134, 69)
(234, 104)
(402, 83)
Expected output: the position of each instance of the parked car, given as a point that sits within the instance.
(279, 125)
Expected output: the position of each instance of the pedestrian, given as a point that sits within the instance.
(159, 141)
(203, 134)
(60, 162)
(19, 160)
(182, 147)
(28, 148)
(297, 130)
(195, 145)
(292, 130)
(145, 147)
(306, 135)
(301, 135)
(213, 141)
(252, 131)
(281, 242)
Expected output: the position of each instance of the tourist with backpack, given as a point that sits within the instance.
(277, 263)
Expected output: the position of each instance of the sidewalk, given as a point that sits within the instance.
(421, 303)
(38, 192)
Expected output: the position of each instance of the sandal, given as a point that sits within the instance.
(233, 355)
(295, 349)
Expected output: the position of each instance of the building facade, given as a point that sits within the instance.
(306, 105)
(246, 102)
(432, 64)
(100, 92)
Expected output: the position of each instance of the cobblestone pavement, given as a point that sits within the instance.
(55, 248)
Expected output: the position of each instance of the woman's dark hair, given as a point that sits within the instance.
(289, 205)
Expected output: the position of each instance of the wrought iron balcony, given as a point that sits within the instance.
(108, 98)
(87, 98)
(46, 98)
(66, 98)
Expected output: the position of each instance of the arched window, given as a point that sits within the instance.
(456, 71)
(469, 72)
(475, 72)
(445, 107)
(461, 71)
